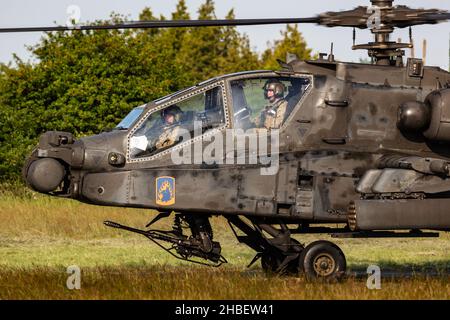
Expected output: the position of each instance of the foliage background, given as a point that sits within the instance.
(85, 82)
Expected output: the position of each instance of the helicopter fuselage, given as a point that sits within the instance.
(344, 125)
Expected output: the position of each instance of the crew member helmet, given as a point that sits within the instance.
(172, 110)
(277, 87)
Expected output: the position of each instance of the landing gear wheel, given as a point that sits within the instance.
(323, 260)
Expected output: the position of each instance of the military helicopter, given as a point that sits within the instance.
(362, 148)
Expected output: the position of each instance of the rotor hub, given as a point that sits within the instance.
(382, 18)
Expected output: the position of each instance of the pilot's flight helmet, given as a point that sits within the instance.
(173, 110)
(277, 87)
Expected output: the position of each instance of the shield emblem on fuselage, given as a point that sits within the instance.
(165, 191)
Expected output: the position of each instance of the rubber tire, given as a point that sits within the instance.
(316, 248)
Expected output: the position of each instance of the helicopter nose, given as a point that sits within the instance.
(48, 166)
(45, 174)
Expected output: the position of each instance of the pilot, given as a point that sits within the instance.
(171, 118)
(273, 115)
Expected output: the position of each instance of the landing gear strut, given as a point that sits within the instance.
(279, 253)
(282, 254)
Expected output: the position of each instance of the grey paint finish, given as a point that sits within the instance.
(402, 214)
(339, 130)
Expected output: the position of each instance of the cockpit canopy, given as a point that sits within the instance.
(238, 102)
(250, 99)
(175, 122)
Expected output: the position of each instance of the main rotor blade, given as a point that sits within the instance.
(397, 17)
(166, 24)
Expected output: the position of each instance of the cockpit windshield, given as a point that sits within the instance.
(266, 102)
(130, 118)
(134, 114)
(176, 122)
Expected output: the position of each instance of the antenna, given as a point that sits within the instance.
(354, 36)
(424, 51)
(331, 55)
(411, 41)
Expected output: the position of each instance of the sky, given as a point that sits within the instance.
(19, 13)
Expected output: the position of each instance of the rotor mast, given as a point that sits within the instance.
(384, 51)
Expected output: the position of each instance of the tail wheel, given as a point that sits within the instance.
(323, 260)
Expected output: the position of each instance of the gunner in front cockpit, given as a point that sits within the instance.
(171, 118)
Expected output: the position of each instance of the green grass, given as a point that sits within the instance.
(41, 236)
(171, 282)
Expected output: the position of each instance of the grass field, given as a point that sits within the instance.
(41, 236)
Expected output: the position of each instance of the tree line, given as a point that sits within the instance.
(84, 82)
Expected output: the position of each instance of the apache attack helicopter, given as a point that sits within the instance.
(364, 148)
